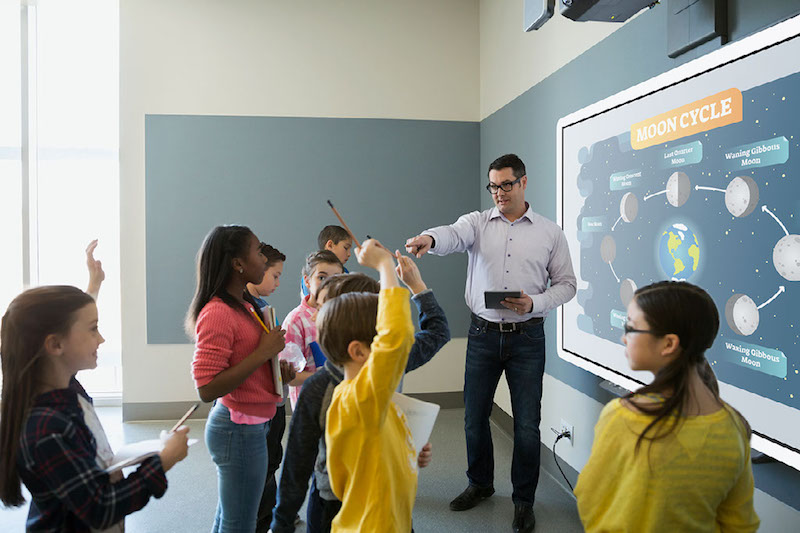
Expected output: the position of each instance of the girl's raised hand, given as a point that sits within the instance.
(95, 267)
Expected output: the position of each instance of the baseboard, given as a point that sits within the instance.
(138, 412)
(506, 424)
(445, 400)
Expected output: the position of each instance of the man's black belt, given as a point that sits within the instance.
(506, 327)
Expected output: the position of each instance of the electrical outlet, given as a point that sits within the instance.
(567, 426)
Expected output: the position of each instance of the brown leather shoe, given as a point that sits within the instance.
(471, 497)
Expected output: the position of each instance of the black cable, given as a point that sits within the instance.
(555, 457)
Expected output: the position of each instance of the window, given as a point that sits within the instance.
(10, 154)
(70, 85)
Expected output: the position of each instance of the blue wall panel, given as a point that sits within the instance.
(388, 178)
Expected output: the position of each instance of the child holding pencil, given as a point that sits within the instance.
(305, 446)
(50, 436)
(372, 463)
(232, 363)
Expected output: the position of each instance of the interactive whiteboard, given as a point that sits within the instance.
(695, 175)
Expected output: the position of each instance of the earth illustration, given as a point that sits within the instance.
(679, 252)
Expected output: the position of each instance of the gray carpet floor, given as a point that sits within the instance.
(190, 502)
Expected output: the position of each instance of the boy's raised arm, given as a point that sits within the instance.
(377, 382)
(373, 254)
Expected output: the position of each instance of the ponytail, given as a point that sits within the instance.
(689, 312)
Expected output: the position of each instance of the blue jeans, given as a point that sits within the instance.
(240, 453)
(521, 356)
(277, 427)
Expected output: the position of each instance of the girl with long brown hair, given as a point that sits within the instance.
(50, 437)
(671, 456)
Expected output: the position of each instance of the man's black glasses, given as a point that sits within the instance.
(506, 186)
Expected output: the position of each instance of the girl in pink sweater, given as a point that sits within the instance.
(231, 367)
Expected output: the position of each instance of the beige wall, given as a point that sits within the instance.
(416, 59)
(512, 61)
(443, 373)
(362, 58)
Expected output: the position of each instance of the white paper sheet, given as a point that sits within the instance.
(420, 416)
(136, 452)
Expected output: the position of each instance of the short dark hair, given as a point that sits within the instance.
(511, 161)
(335, 234)
(351, 282)
(272, 254)
(344, 319)
(316, 258)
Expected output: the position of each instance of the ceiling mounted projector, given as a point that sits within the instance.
(602, 10)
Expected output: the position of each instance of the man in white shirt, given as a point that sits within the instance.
(510, 248)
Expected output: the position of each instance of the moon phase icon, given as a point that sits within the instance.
(785, 257)
(608, 249)
(741, 313)
(626, 290)
(629, 207)
(741, 196)
(678, 189)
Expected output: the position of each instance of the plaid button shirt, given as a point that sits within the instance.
(57, 463)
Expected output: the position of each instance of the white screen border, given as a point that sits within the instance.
(750, 45)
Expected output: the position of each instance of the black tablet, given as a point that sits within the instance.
(492, 299)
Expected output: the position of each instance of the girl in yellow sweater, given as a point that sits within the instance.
(671, 456)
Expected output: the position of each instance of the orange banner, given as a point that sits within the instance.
(711, 112)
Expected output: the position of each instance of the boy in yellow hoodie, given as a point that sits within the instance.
(371, 458)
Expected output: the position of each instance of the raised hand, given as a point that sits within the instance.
(95, 267)
(408, 272)
(373, 254)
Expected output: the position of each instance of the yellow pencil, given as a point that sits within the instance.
(276, 364)
(259, 320)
